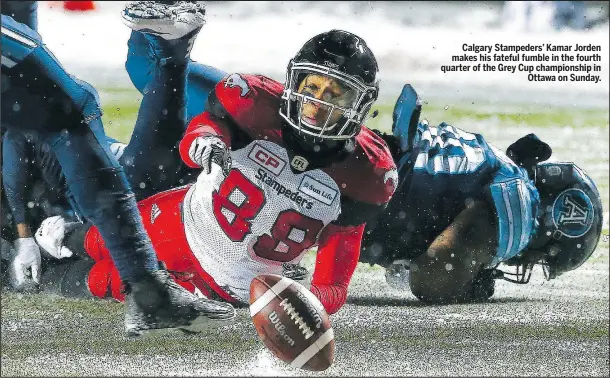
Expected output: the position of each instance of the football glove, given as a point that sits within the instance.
(50, 237)
(24, 269)
(210, 149)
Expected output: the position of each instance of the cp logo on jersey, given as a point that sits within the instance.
(267, 159)
(236, 81)
(573, 213)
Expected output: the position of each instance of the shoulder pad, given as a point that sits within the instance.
(369, 174)
(251, 101)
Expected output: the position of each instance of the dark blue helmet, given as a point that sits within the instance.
(570, 218)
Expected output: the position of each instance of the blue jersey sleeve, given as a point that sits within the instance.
(447, 168)
(516, 201)
(16, 156)
(448, 150)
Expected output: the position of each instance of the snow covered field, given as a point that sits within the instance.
(545, 328)
(411, 42)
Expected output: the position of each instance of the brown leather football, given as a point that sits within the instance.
(291, 322)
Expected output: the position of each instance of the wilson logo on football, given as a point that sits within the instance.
(281, 328)
(267, 159)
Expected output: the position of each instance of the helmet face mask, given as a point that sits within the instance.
(343, 117)
(346, 64)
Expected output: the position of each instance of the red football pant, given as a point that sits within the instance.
(162, 218)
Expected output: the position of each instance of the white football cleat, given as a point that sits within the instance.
(167, 19)
(50, 237)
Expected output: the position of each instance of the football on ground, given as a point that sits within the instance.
(291, 322)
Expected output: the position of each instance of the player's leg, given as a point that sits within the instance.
(142, 60)
(160, 69)
(151, 158)
(200, 82)
(161, 215)
(172, 21)
(85, 269)
(449, 270)
(163, 220)
(98, 184)
(73, 131)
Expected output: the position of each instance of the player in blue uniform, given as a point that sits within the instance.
(150, 159)
(26, 255)
(38, 95)
(462, 207)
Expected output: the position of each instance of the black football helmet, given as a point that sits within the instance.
(344, 57)
(570, 222)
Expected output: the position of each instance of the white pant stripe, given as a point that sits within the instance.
(19, 37)
(8, 62)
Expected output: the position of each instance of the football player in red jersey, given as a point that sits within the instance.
(284, 168)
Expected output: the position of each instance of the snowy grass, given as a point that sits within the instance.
(544, 328)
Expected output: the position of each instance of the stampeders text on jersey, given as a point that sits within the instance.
(294, 196)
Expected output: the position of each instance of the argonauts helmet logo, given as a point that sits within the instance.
(573, 213)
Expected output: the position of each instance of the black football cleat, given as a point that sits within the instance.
(158, 303)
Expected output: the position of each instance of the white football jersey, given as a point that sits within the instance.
(261, 215)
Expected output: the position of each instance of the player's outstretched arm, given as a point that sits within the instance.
(448, 269)
(15, 172)
(338, 253)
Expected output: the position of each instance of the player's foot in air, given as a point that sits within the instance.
(167, 19)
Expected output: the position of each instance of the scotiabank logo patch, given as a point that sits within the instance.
(267, 159)
(316, 190)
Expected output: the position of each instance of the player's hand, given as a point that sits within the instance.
(25, 266)
(210, 149)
